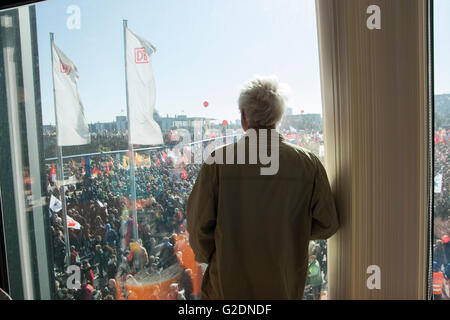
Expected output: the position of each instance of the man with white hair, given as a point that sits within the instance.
(250, 225)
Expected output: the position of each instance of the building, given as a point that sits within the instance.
(312, 121)
(48, 129)
(102, 127)
(182, 121)
(121, 123)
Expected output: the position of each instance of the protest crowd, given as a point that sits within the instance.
(98, 202)
(441, 248)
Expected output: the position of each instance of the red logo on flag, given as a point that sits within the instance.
(64, 68)
(140, 56)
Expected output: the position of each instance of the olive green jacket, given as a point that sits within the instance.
(253, 230)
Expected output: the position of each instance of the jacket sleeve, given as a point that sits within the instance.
(325, 220)
(202, 213)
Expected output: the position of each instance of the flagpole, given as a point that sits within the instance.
(130, 144)
(60, 172)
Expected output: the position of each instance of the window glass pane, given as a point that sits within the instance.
(441, 241)
(195, 56)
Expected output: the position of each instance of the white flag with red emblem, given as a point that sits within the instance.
(73, 224)
(72, 127)
(143, 129)
(55, 204)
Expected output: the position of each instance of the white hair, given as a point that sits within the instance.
(262, 101)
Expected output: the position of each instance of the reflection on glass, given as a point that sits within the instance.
(441, 240)
(125, 200)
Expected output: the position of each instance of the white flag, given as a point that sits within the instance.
(73, 224)
(55, 204)
(143, 129)
(438, 183)
(72, 126)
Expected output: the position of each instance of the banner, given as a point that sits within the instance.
(72, 127)
(143, 129)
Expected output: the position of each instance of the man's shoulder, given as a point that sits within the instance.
(222, 149)
(298, 151)
(283, 143)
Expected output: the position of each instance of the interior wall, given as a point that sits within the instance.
(374, 92)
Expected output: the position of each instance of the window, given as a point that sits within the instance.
(80, 233)
(441, 241)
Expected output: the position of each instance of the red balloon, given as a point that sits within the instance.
(225, 122)
(205, 104)
(303, 111)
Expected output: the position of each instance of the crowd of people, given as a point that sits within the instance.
(316, 281)
(99, 200)
(104, 247)
(441, 248)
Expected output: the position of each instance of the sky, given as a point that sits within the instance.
(206, 50)
(441, 46)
